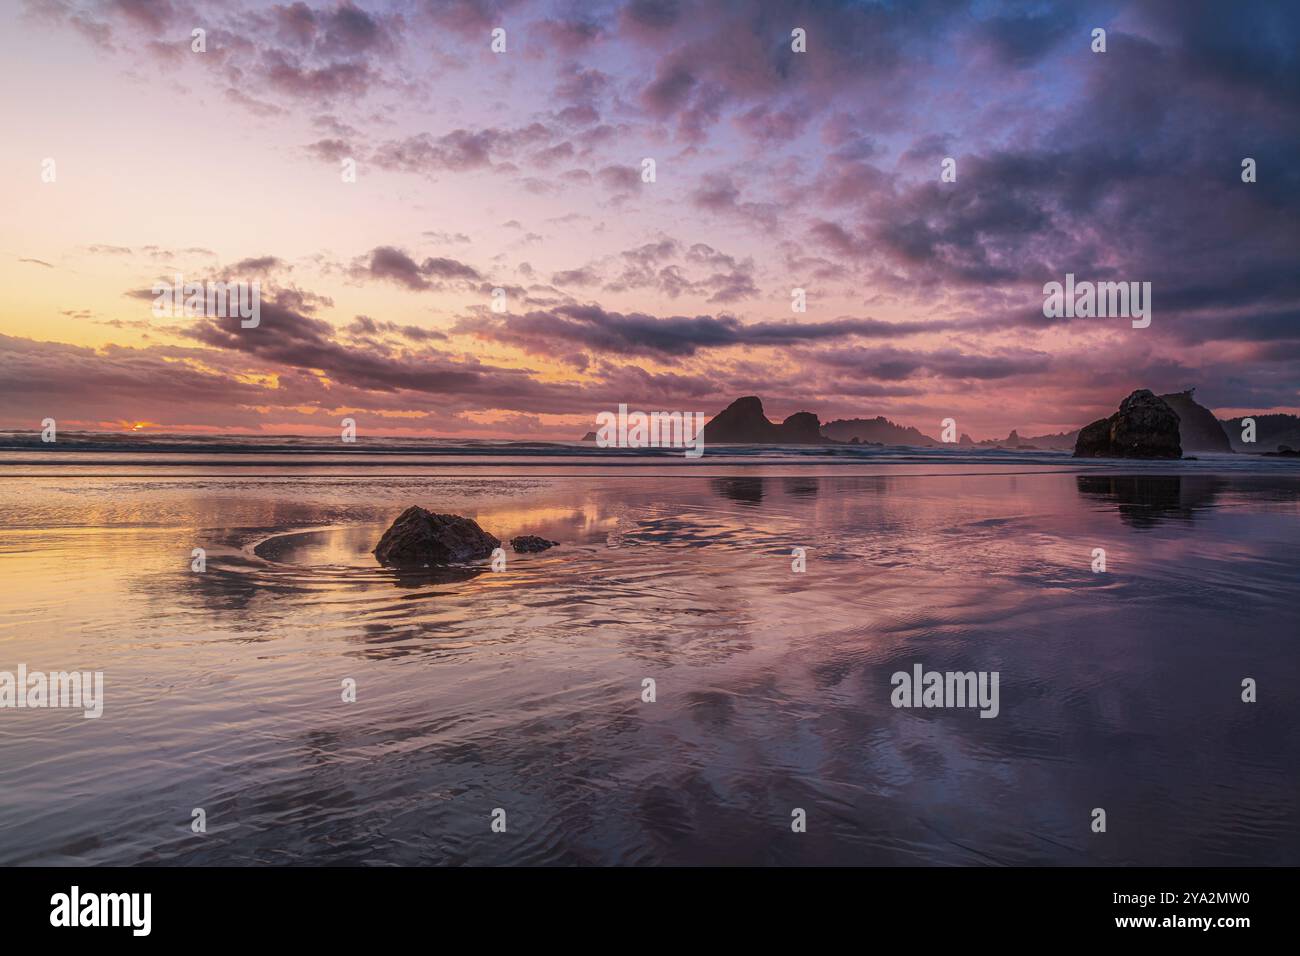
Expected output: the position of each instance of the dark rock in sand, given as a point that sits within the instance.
(531, 544)
(1144, 427)
(1283, 451)
(590, 436)
(419, 537)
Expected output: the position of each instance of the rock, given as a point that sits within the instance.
(1270, 431)
(1063, 441)
(1198, 429)
(1144, 427)
(743, 422)
(590, 436)
(531, 544)
(419, 537)
(1283, 451)
(876, 431)
(802, 428)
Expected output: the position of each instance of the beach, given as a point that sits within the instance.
(523, 690)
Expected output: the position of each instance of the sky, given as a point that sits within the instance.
(522, 171)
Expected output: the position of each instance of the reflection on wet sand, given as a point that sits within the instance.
(798, 487)
(1143, 501)
(748, 491)
(522, 688)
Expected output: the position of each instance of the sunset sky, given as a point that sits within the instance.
(521, 170)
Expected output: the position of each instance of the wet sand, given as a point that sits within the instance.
(522, 689)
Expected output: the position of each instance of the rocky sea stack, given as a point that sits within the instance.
(1198, 429)
(743, 422)
(1144, 427)
(419, 538)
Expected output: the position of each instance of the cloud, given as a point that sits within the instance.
(892, 364)
(1022, 39)
(392, 264)
(287, 74)
(817, 170)
(651, 16)
(363, 327)
(554, 332)
(584, 276)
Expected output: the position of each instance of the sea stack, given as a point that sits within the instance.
(743, 422)
(1144, 427)
(1198, 429)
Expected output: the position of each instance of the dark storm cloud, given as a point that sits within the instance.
(1021, 39)
(556, 331)
(891, 364)
(731, 59)
(286, 338)
(349, 30)
(1137, 178)
(651, 15)
(1250, 327)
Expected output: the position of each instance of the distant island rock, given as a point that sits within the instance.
(531, 544)
(1198, 429)
(1144, 427)
(879, 431)
(1065, 441)
(1060, 441)
(419, 538)
(743, 423)
(1271, 432)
